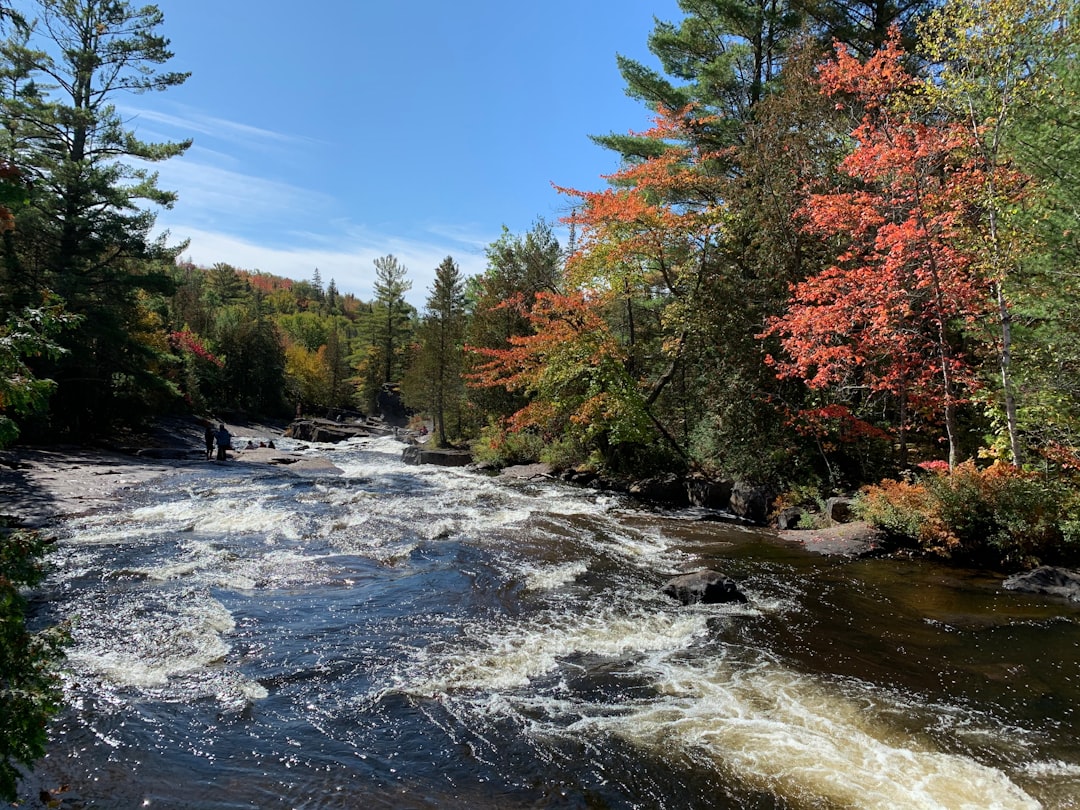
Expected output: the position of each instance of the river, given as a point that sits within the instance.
(421, 637)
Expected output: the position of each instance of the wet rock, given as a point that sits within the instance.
(579, 478)
(328, 432)
(174, 453)
(527, 471)
(707, 587)
(1047, 580)
(709, 494)
(417, 454)
(750, 502)
(669, 489)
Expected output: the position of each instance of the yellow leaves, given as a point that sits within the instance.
(308, 374)
(993, 54)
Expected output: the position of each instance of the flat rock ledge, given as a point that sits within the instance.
(855, 539)
(326, 431)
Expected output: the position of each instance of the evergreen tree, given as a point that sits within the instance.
(334, 354)
(392, 316)
(519, 267)
(863, 25)
(434, 378)
(85, 234)
(333, 305)
(717, 63)
(251, 346)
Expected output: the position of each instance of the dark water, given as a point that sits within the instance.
(418, 637)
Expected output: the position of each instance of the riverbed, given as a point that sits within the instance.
(395, 637)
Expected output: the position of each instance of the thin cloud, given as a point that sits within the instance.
(189, 121)
(212, 194)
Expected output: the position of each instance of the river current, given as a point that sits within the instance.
(422, 637)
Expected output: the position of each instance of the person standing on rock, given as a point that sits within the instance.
(208, 437)
(224, 442)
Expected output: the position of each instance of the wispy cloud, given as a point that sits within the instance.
(261, 222)
(188, 121)
(229, 199)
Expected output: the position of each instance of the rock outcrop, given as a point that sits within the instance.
(750, 502)
(703, 587)
(669, 489)
(327, 431)
(418, 454)
(1047, 580)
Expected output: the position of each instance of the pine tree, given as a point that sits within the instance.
(85, 233)
(519, 267)
(435, 374)
(392, 315)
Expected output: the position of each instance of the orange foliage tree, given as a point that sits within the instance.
(599, 355)
(645, 251)
(573, 371)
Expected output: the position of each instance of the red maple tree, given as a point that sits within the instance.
(888, 315)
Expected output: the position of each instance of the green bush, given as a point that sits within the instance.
(29, 686)
(999, 515)
(502, 448)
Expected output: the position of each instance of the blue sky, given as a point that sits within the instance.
(330, 133)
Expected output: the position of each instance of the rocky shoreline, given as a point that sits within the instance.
(40, 485)
(737, 502)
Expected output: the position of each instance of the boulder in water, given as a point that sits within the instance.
(449, 457)
(328, 432)
(750, 502)
(1048, 580)
(669, 489)
(708, 587)
(708, 494)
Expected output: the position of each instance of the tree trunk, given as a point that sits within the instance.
(1005, 360)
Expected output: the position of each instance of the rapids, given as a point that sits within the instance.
(434, 638)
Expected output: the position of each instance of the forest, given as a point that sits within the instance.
(844, 254)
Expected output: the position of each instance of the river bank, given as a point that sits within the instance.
(40, 485)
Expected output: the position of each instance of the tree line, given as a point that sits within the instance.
(844, 249)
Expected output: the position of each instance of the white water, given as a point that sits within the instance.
(525, 619)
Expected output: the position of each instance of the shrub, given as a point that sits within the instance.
(998, 515)
(498, 446)
(901, 509)
(29, 686)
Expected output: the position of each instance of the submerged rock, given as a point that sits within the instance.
(707, 587)
(1047, 580)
